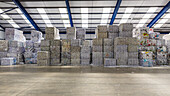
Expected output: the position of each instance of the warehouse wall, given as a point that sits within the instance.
(2, 35)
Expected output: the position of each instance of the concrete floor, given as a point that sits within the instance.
(75, 81)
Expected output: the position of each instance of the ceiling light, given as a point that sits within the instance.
(84, 17)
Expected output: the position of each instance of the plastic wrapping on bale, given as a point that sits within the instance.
(8, 61)
(3, 45)
(109, 62)
(161, 49)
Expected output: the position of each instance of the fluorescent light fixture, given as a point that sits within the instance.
(127, 14)
(45, 17)
(11, 21)
(162, 21)
(65, 17)
(84, 17)
(105, 16)
(146, 16)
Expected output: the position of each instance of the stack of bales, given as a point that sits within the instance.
(108, 52)
(80, 33)
(51, 46)
(97, 52)
(125, 30)
(168, 46)
(126, 50)
(162, 55)
(71, 33)
(43, 58)
(146, 58)
(32, 47)
(75, 52)
(65, 54)
(113, 31)
(85, 53)
(55, 52)
(101, 31)
(16, 41)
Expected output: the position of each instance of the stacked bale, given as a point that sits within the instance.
(55, 52)
(43, 58)
(97, 52)
(51, 33)
(16, 44)
(113, 31)
(65, 54)
(71, 33)
(75, 52)
(125, 30)
(162, 55)
(101, 31)
(80, 33)
(3, 48)
(32, 47)
(85, 52)
(146, 58)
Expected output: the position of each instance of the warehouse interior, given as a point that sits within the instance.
(84, 47)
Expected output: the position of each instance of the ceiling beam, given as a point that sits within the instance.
(159, 15)
(69, 13)
(115, 11)
(19, 5)
(2, 27)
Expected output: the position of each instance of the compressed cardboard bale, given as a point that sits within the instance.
(146, 62)
(43, 55)
(3, 45)
(108, 49)
(75, 42)
(113, 35)
(125, 27)
(85, 55)
(108, 42)
(122, 55)
(75, 62)
(66, 48)
(85, 61)
(109, 62)
(3, 54)
(96, 55)
(125, 34)
(97, 48)
(28, 54)
(8, 61)
(80, 33)
(101, 28)
(97, 62)
(65, 61)
(75, 55)
(55, 55)
(97, 42)
(108, 54)
(66, 42)
(45, 43)
(121, 61)
(43, 63)
(113, 29)
(132, 48)
(133, 62)
(51, 30)
(55, 43)
(120, 48)
(66, 55)
(55, 49)
(71, 32)
(126, 41)
(85, 49)
(45, 48)
(102, 35)
(55, 62)
(133, 55)
(75, 49)
(86, 43)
